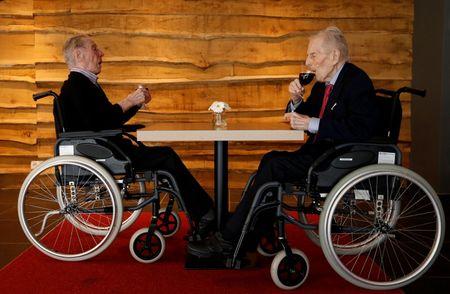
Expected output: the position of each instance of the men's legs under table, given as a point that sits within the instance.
(237, 130)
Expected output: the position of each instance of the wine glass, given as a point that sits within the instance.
(306, 77)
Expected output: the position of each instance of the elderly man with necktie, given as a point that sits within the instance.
(341, 108)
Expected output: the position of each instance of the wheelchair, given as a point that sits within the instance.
(72, 206)
(380, 225)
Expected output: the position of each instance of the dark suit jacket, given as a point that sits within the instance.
(351, 114)
(85, 106)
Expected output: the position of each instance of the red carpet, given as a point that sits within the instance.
(115, 271)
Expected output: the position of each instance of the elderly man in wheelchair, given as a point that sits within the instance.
(380, 225)
(72, 206)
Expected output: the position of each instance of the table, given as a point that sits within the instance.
(236, 130)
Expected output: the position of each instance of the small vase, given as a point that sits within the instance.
(218, 120)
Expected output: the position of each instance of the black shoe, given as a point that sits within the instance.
(212, 246)
(207, 224)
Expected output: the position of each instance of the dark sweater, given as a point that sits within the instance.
(85, 106)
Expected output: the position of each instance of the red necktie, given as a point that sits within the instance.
(328, 89)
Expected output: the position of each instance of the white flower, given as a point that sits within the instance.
(219, 107)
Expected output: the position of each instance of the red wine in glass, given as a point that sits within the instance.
(305, 78)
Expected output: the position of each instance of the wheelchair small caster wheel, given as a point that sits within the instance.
(168, 224)
(269, 245)
(289, 274)
(147, 252)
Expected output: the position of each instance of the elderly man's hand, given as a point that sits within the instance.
(287, 116)
(296, 91)
(138, 97)
(299, 121)
(146, 91)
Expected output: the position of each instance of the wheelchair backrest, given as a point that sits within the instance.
(390, 118)
(58, 117)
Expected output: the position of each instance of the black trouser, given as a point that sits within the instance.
(281, 166)
(165, 158)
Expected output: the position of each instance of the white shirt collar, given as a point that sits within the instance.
(91, 76)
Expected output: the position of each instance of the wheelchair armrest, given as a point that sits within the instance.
(90, 134)
(107, 152)
(333, 150)
(134, 139)
(132, 127)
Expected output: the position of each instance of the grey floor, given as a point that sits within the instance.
(13, 242)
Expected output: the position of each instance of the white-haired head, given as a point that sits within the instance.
(70, 45)
(334, 39)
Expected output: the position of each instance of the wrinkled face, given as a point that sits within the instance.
(89, 57)
(321, 59)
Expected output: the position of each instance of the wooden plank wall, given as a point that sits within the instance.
(189, 53)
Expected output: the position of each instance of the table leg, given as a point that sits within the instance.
(221, 181)
(221, 199)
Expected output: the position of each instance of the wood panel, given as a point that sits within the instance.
(16, 94)
(208, 26)
(156, 73)
(283, 8)
(16, 48)
(17, 111)
(16, 8)
(189, 53)
(377, 46)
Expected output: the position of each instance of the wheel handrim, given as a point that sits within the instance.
(378, 265)
(50, 227)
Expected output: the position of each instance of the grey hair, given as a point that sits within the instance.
(70, 45)
(333, 36)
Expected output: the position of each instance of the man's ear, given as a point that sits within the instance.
(335, 56)
(77, 55)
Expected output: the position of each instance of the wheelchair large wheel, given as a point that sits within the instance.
(289, 274)
(59, 193)
(395, 219)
